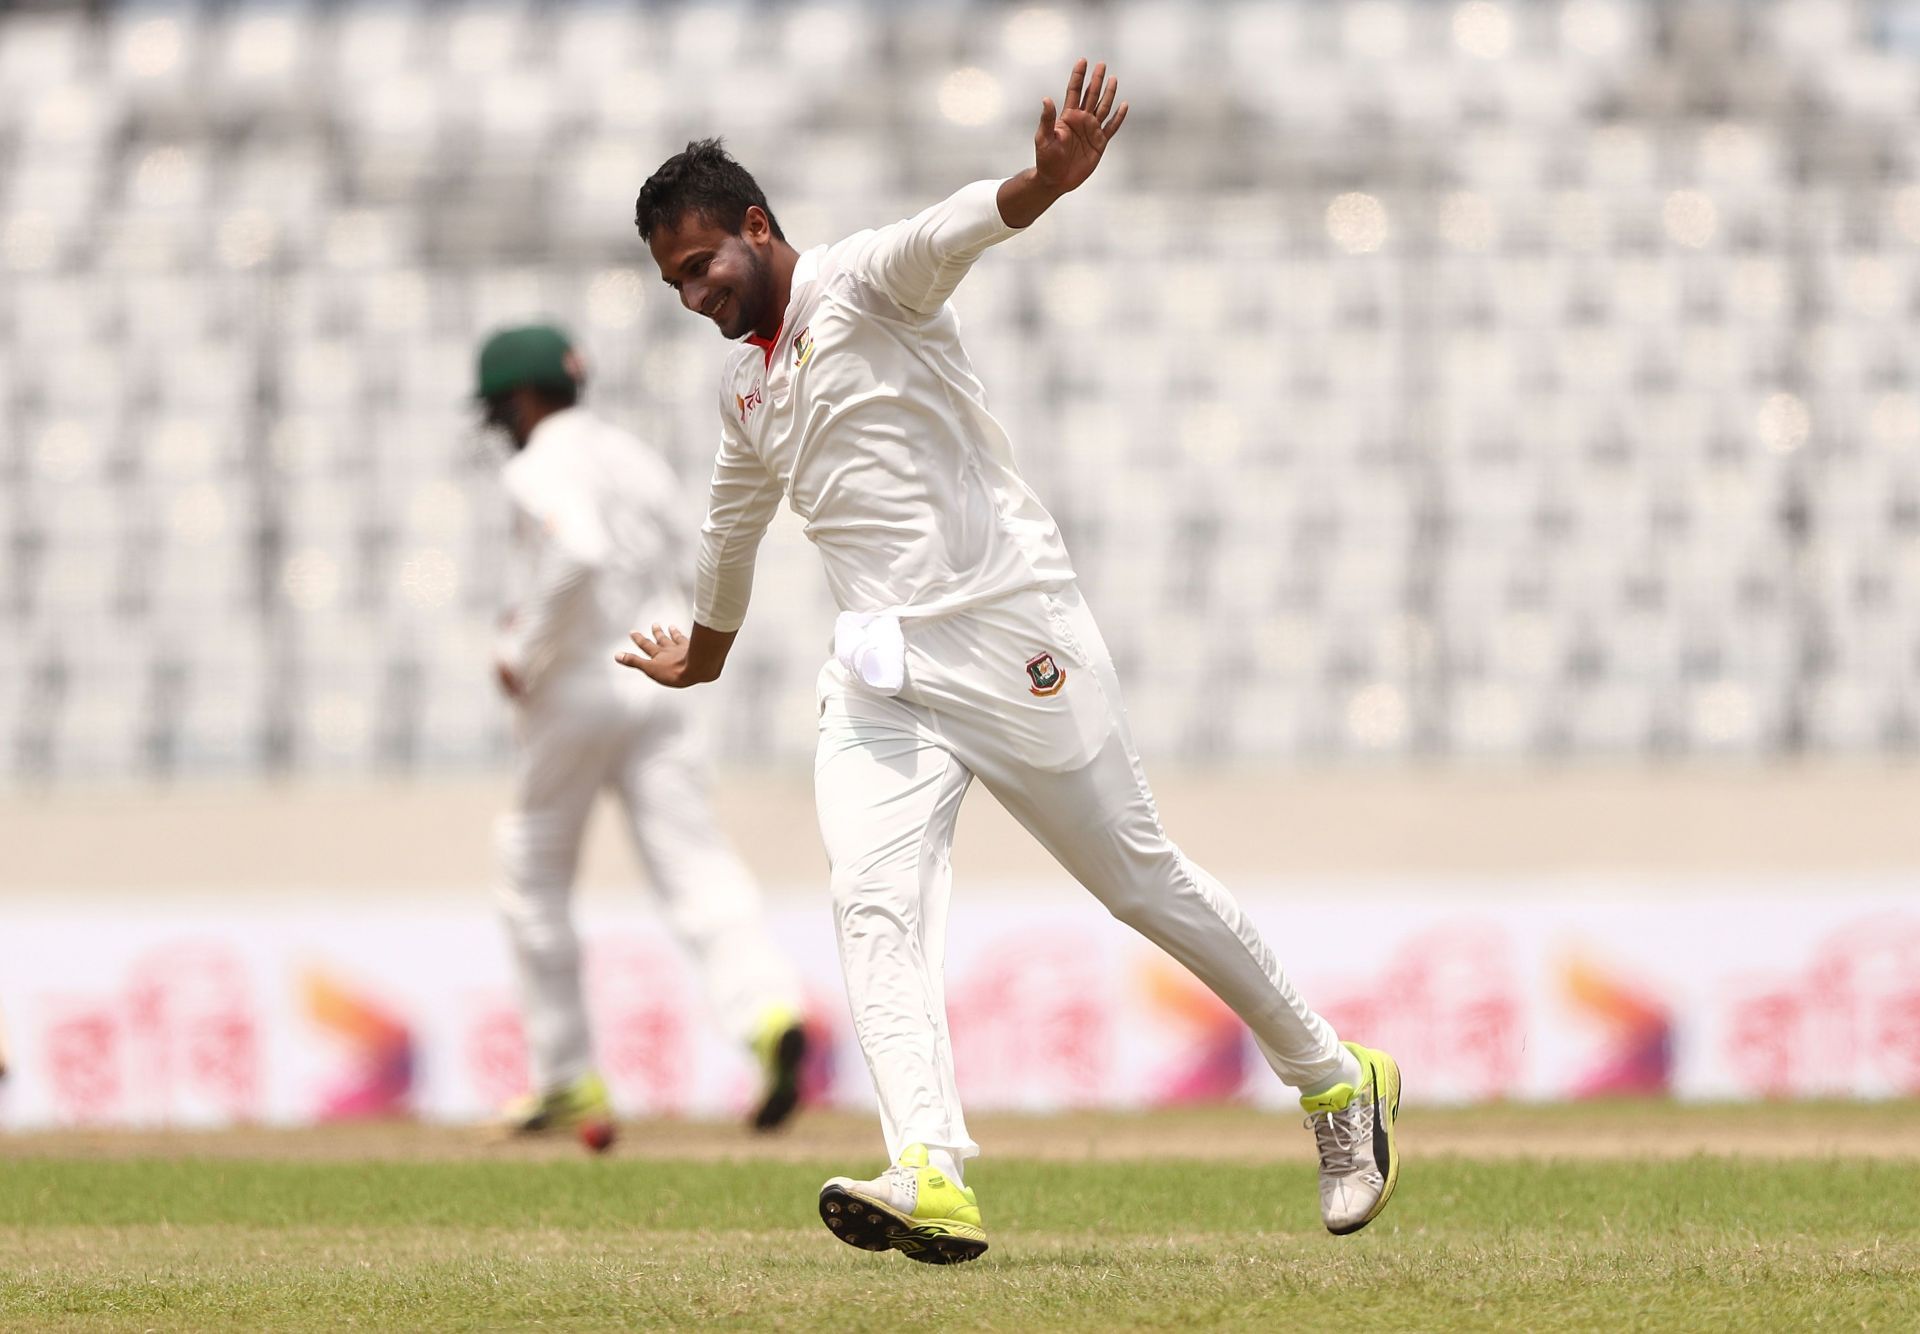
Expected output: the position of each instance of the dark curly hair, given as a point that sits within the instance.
(704, 180)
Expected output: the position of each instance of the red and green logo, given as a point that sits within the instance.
(1046, 674)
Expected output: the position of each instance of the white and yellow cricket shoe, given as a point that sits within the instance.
(1359, 1161)
(911, 1208)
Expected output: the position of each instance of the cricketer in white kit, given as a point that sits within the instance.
(598, 543)
(963, 651)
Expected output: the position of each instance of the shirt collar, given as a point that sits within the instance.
(766, 345)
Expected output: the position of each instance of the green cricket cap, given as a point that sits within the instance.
(534, 354)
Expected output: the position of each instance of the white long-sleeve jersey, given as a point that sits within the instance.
(600, 548)
(865, 413)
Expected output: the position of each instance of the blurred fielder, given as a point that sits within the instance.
(963, 650)
(597, 547)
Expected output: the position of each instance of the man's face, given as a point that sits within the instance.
(724, 276)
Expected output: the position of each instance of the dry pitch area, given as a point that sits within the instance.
(1586, 1132)
(1624, 1216)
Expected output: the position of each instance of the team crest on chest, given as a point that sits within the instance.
(1046, 674)
(802, 347)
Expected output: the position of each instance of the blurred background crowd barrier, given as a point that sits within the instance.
(259, 1013)
(1489, 434)
(1509, 379)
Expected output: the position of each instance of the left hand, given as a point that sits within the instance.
(1068, 144)
(662, 656)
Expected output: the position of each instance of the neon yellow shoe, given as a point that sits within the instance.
(911, 1208)
(780, 1045)
(1359, 1162)
(581, 1106)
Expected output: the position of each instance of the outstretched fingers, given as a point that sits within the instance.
(1096, 81)
(662, 638)
(1090, 92)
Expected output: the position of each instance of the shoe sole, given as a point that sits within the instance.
(784, 1096)
(873, 1226)
(1383, 1142)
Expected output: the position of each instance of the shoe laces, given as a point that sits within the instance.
(1338, 1134)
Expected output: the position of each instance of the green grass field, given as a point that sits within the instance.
(186, 1240)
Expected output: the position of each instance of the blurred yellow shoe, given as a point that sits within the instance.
(780, 1045)
(581, 1106)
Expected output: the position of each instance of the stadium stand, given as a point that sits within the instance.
(1446, 379)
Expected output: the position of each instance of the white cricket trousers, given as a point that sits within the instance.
(579, 736)
(888, 777)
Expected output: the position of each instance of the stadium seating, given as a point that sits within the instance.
(1489, 379)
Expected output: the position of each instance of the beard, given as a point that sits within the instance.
(750, 300)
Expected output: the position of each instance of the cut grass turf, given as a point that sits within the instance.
(1695, 1244)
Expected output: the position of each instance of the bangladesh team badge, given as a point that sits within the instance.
(1046, 674)
(802, 346)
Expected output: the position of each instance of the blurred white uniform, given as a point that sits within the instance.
(596, 554)
(963, 649)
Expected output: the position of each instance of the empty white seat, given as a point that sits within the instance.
(42, 51)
